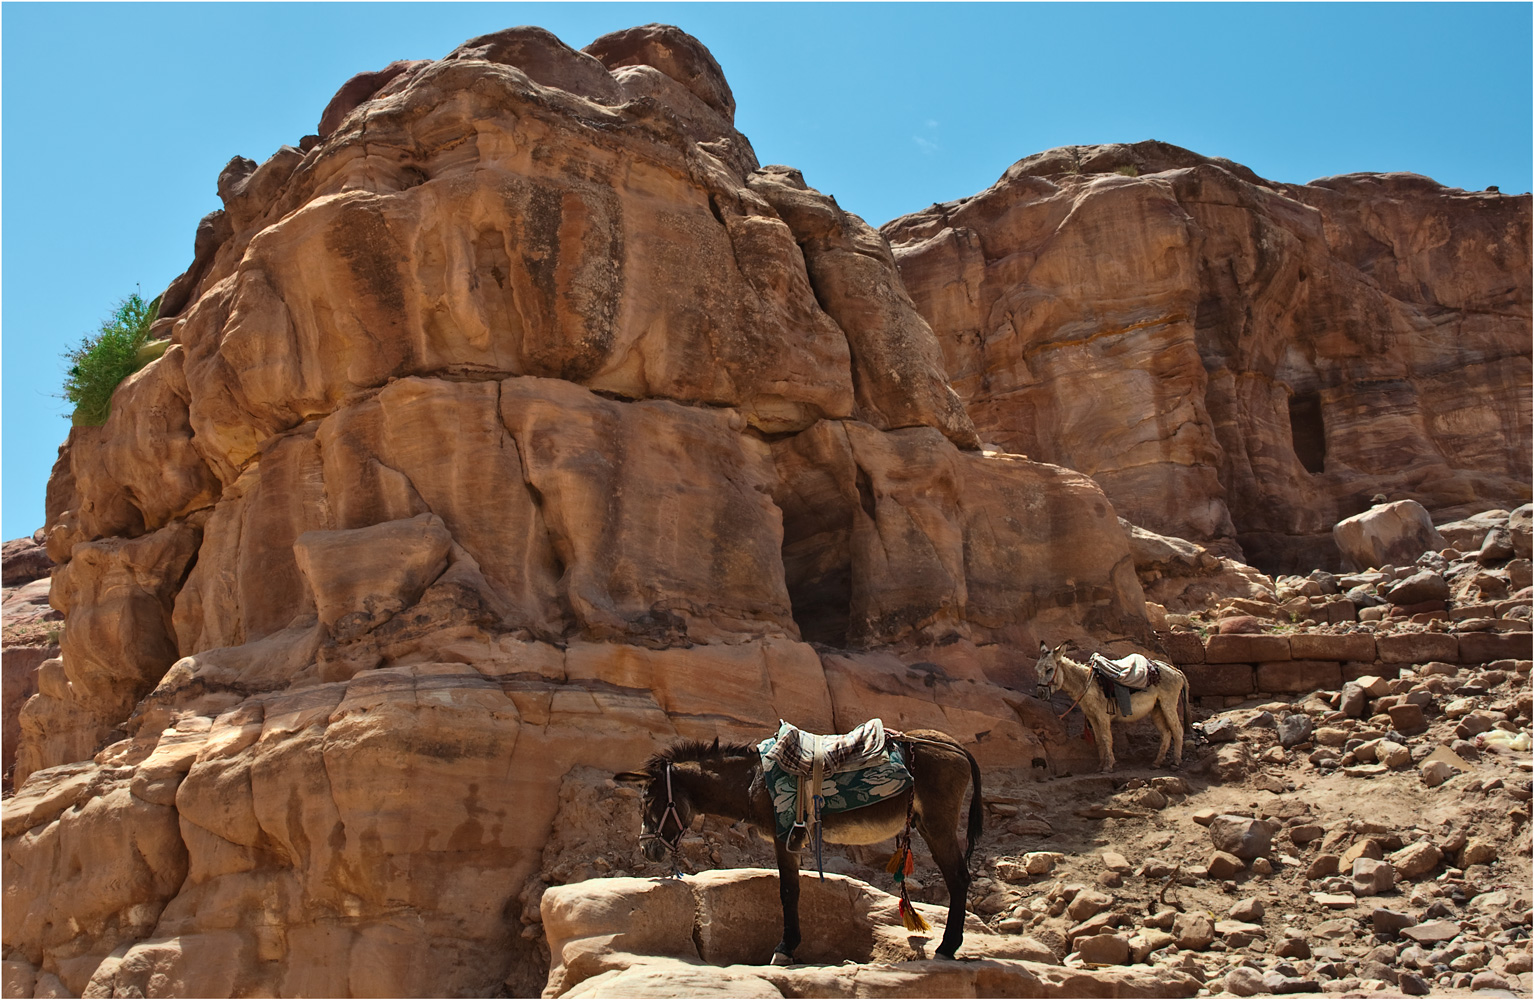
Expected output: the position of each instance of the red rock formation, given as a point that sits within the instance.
(1237, 361)
(518, 424)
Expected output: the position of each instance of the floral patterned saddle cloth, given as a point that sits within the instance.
(875, 774)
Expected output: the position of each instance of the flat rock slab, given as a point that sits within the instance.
(1336, 900)
(652, 976)
(1432, 932)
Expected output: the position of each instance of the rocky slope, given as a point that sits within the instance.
(1236, 361)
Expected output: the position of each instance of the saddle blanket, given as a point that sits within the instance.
(794, 750)
(844, 791)
(1121, 678)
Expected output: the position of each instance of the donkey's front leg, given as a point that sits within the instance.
(1102, 731)
(788, 891)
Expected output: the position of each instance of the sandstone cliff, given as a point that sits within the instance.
(516, 422)
(1237, 361)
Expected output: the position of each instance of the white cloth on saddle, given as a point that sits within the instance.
(1132, 671)
(795, 750)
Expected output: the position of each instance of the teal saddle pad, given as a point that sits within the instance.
(842, 792)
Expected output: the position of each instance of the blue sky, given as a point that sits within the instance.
(115, 119)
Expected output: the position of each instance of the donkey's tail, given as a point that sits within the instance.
(1182, 706)
(976, 808)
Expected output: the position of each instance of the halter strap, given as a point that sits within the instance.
(670, 814)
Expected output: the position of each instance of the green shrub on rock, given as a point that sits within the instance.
(101, 362)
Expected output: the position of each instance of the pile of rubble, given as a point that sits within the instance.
(1371, 838)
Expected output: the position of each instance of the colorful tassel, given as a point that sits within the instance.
(901, 864)
(913, 921)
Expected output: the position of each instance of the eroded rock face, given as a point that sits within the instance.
(1238, 362)
(516, 424)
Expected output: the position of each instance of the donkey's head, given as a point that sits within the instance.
(671, 782)
(1047, 669)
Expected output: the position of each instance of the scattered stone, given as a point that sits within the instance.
(1408, 718)
(1041, 862)
(1243, 982)
(1088, 903)
(1365, 848)
(1223, 865)
(1432, 932)
(1436, 772)
(1330, 736)
(1413, 985)
(1388, 923)
(1334, 900)
(1142, 944)
(1419, 588)
(1243, 836)
(1354, 701)
(1371, 877)
(1477, 852)
(1373, 685)
(1220, 730)
(1416, 860)
(1322, 866)
(1249, 910)
(1193, 931)
(1277, 982)
(1292, 945)
(1239, 933)
(1115, 862)
(1261, 866)
(1103, 949)
(1393, 755)
(1459, 707)
(1488, 980)
(1304, 833)
(1294, 729)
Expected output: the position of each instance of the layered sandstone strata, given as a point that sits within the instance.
(517, 422)
(1236, 361)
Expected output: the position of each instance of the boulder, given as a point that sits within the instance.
(1418, 588)
(1391, 534)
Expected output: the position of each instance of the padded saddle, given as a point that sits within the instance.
(796, 750)
(1121, 678)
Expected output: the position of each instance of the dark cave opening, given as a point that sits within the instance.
(1307, 427)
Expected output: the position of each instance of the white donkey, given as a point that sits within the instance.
(1166, 702)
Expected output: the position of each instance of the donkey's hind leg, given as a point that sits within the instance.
(1174, 719)
(944, 845)
(788, 892)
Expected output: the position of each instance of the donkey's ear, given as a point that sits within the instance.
(1061, 648)
(632, 778)
(715, 747)
(1043, 648)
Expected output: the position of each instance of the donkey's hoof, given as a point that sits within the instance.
(778, 958)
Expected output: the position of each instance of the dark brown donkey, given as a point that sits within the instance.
(691, 777)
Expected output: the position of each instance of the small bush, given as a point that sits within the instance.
(101, 362)
(1129, 170)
